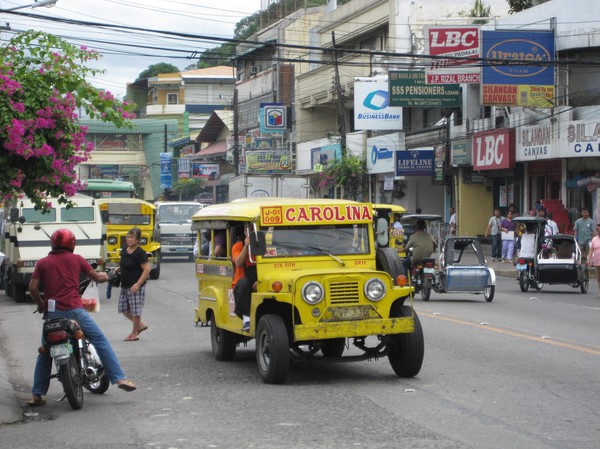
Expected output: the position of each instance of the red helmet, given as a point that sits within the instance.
(63, 238)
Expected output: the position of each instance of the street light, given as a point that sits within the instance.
(46, 3)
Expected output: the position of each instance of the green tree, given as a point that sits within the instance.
(348, 173)
(187, 189)
(42, 87)
(519, 5)
(155, 69)
(480, 10)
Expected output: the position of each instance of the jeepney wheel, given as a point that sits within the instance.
(155, 272)
(488, 293)
(406, 351)
(387, 260)
(524, 281)
(272, 349)
(7, 283)
(334, 347)
(223, 342)
(583, 285)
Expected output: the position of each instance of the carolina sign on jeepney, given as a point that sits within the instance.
(302, 215)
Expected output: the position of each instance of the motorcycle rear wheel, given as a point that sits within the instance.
(524, 281)
(70, 378)
(99, 387)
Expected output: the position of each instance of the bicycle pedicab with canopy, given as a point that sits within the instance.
(558, 259)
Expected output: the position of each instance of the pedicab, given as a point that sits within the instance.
(462, 268)
(558, 260)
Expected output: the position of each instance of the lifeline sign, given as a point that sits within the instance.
(312, 214)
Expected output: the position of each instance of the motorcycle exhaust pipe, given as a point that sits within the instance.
(91, 373)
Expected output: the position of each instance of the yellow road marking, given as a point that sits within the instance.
(586, 349)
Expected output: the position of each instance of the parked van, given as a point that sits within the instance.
(175, 227)
(27, 234)
(120, 215)
(322, 284)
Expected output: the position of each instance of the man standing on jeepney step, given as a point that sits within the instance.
(584, 229)
(494, 229)
(244, 277)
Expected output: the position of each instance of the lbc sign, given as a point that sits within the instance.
(494, 150)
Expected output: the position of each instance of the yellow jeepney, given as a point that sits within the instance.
(387, 231)
(322, 284)
(119, 215)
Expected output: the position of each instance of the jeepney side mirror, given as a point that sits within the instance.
(258, 243)
(13, 214)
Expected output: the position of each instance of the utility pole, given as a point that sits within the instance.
(236, 144)
(338, 88)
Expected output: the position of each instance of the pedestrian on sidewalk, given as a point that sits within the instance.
(594, 254)
(452, 222)
(494, 229)
(584, 228)
(508, 227)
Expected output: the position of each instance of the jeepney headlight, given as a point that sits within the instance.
(143, 241)
(312, 293)
(112, 240)
(374, 289)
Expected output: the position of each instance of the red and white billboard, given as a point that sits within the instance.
(494, 149)
(448, 45)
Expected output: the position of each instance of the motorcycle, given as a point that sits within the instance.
(526, 275)
(422, 276)
(77, 363)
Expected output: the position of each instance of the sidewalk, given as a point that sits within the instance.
(10, 411)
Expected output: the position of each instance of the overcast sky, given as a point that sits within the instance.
(122, 60)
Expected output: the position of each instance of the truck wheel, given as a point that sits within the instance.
(2, 271)
(406, 351)
(7, 283)
(272, 349)
(19, 291)
(223, 342)
(155, 272)
(387, 260)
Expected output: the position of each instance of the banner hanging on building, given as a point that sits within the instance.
(165, 171)
(518, 68)
(372, 108)
(447, 45)
(415, 162)
(205, 171)
(184, 168)
(407, 88)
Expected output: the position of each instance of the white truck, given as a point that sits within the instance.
(27, 234)
(175, 227)
(263, 186)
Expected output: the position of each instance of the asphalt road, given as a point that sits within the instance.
(519, 372)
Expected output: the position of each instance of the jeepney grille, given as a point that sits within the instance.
(344, 293)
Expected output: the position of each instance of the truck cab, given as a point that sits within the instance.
(119, 215)
(27, 234)
(174, 220)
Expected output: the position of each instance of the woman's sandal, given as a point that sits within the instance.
(36, 402)
(126, 385)
(131, 337)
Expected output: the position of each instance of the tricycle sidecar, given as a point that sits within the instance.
(463, 268)
(560, 262)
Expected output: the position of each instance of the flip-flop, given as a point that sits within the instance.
(142, 329)
(36, 402)
(126, 385)
(131, 337)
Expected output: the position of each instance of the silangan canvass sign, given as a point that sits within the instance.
(447, 45)
(534, 143)
(582, 139)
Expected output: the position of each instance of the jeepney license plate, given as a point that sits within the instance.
(58, 350)
(428, 270)
(181, 250)
(350, 313)
(521, 266)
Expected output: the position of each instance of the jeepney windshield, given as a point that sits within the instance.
(129, 219)
(288, 241)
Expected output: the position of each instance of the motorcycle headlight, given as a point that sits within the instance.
(143, 241)
(374, 289)
(312, 293)
(112, 240)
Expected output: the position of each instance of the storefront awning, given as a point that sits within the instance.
(214, 149)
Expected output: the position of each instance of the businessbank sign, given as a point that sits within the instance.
(372, 110)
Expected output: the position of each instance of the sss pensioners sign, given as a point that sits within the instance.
(494, 149)
(408, 88)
